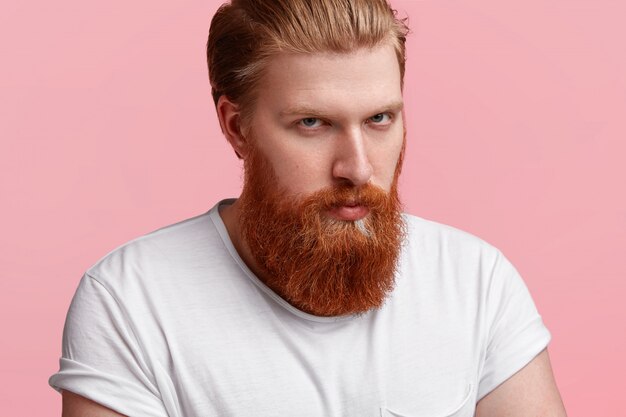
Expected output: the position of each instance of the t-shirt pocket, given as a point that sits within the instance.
(463, 407)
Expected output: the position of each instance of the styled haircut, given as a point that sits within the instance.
(245, 34)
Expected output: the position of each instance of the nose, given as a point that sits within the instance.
(352, 164)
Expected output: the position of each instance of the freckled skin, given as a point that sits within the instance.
(356, 138)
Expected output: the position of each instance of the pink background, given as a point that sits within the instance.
(517, 127)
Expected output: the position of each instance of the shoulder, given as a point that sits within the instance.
(155, 254)
(443, 258)
(437, 240)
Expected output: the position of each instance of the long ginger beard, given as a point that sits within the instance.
(321, 265)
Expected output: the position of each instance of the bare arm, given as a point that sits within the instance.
(530, 392)
(76, 406)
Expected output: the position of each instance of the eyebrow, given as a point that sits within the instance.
(394, 107)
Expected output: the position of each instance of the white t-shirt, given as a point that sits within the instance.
(174, 324)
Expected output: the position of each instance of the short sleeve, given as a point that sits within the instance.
(516, 332)
(102, 359)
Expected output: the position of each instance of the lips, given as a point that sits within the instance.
(349, 212)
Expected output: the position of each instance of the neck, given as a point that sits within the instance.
(231, 217)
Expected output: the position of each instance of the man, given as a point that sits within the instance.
(311, 294)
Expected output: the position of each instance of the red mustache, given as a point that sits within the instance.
(367, 195)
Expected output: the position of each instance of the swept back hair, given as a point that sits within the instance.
(244, 34)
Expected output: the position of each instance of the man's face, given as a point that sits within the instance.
(319, 209)
(331, 119)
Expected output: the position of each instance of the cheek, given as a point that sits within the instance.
(386, 164)
(299, 173)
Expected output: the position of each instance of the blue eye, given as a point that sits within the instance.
(380, 118)
(310, 122)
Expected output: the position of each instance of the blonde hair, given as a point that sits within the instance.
(244, 34)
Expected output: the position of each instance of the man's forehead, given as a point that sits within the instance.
(338, 64)
(367, 78)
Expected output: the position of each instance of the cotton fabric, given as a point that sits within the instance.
(175, 324)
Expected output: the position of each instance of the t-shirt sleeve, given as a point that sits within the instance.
(102, 360)
(516, 333)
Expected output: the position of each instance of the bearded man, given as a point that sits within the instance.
(311, 294)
